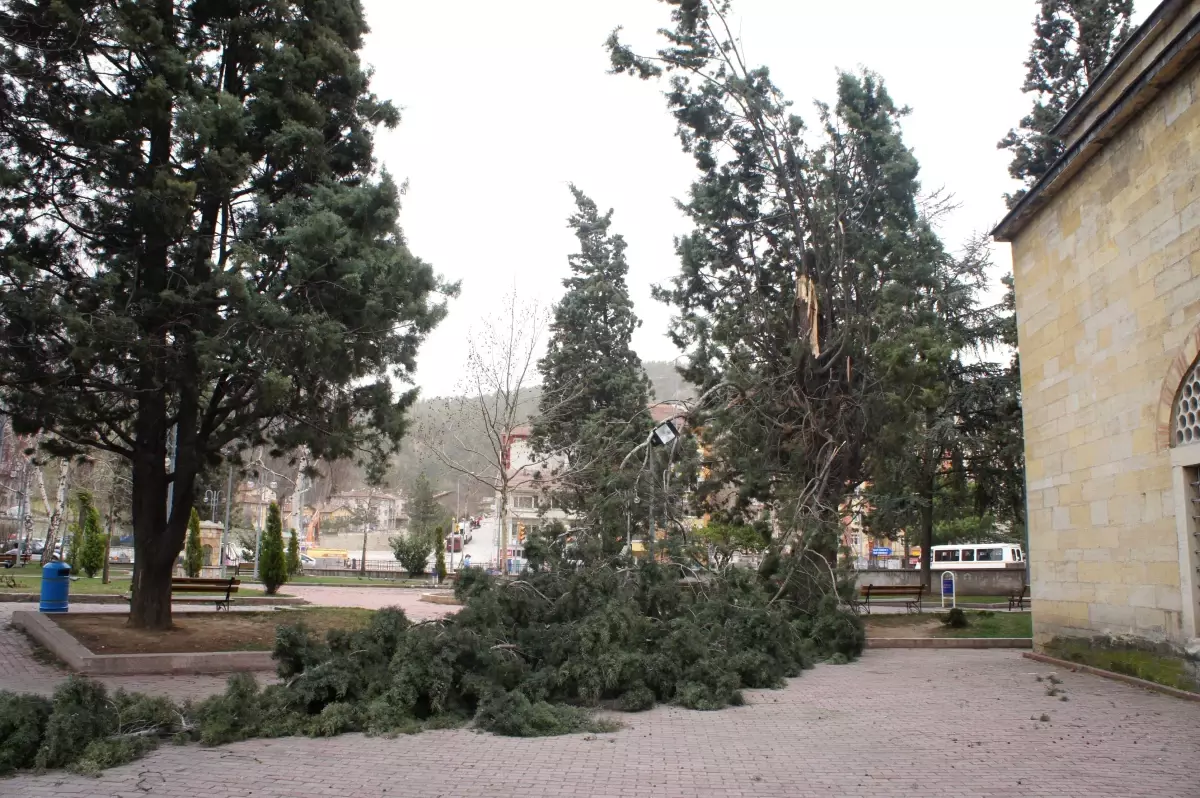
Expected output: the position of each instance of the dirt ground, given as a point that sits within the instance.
(926, 627)
(203, 631)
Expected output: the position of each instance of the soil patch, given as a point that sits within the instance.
(104, 633)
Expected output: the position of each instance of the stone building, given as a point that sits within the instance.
(1106, 258)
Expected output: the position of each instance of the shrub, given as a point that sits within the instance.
(514, 715)
(293, 553)
(109, 752)
(193, 553)
(91, 554)
(413, 552)
(956, 619)
(22, 723)
(273, 568)
(81, 712)
(636, 699)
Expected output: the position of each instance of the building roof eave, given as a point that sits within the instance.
(1173, 59)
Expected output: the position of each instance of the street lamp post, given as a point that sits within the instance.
(213, 499)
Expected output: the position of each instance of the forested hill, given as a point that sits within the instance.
(435, 411)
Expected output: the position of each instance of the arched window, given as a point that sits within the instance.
(1186, 418)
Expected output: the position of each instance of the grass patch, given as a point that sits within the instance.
(104, 633)
(15, 582)
(1161, 668)
(980, 623)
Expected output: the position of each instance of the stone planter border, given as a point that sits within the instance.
(63, 645)
(109, 598)
(949, 642)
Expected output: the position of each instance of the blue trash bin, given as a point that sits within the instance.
(56, 583)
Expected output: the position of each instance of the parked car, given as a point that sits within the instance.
(306, 561)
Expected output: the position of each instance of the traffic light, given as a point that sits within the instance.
(521, 533)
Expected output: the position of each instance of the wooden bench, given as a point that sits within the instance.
(909, 594)
(9, 560)
(189, 584)
(1017, 598)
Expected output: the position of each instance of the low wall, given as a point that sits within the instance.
(981, 582)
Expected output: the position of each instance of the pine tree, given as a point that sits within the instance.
(215, 176)
(293, 553)
(1073, 41)
(594, 392)
(193, 552)
(272, 568)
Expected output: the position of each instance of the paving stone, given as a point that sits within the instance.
(933, 724)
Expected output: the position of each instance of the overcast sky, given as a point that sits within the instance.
(504, 104)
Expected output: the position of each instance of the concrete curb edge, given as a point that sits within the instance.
(79, 659)
(949, 642)
(1133, 681)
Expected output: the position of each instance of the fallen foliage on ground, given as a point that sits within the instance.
(527, 657)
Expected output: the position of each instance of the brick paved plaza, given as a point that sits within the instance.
(896, 723)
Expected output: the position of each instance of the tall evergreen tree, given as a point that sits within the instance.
(1073, 40)
(424, 511)
(195, 249)
(799, 253)
(90, 537)
(595, 393)
(293, 553)
(932, 333)
(193, 552)
(272, 569)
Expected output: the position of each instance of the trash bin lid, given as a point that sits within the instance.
(56, 569)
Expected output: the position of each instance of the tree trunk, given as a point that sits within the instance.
(927, 532)
(154, 545)
(59, 510)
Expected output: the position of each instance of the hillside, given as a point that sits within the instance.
(439, 413)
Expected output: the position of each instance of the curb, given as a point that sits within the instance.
(109, 598)
(434, 598)
(1133, 681)
(79, 659)
(950, 642)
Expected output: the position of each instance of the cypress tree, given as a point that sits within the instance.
(193, 553)
(1073, 40)
(272, 570)
(439, 543)
(89, 540)
(293, 553)
(594, 391)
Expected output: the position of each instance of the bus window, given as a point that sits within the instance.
(968, 555)
(990, 555)
(946, 556)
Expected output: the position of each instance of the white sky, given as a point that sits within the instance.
(506, 103)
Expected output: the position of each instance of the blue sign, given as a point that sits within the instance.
(947, 584)
(880, 551)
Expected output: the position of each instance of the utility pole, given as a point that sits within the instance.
(225, 531)
(650, 531)
(112, 501)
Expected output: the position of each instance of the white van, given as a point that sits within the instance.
(977, 555)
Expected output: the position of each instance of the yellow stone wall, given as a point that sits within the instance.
(1107, 293)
